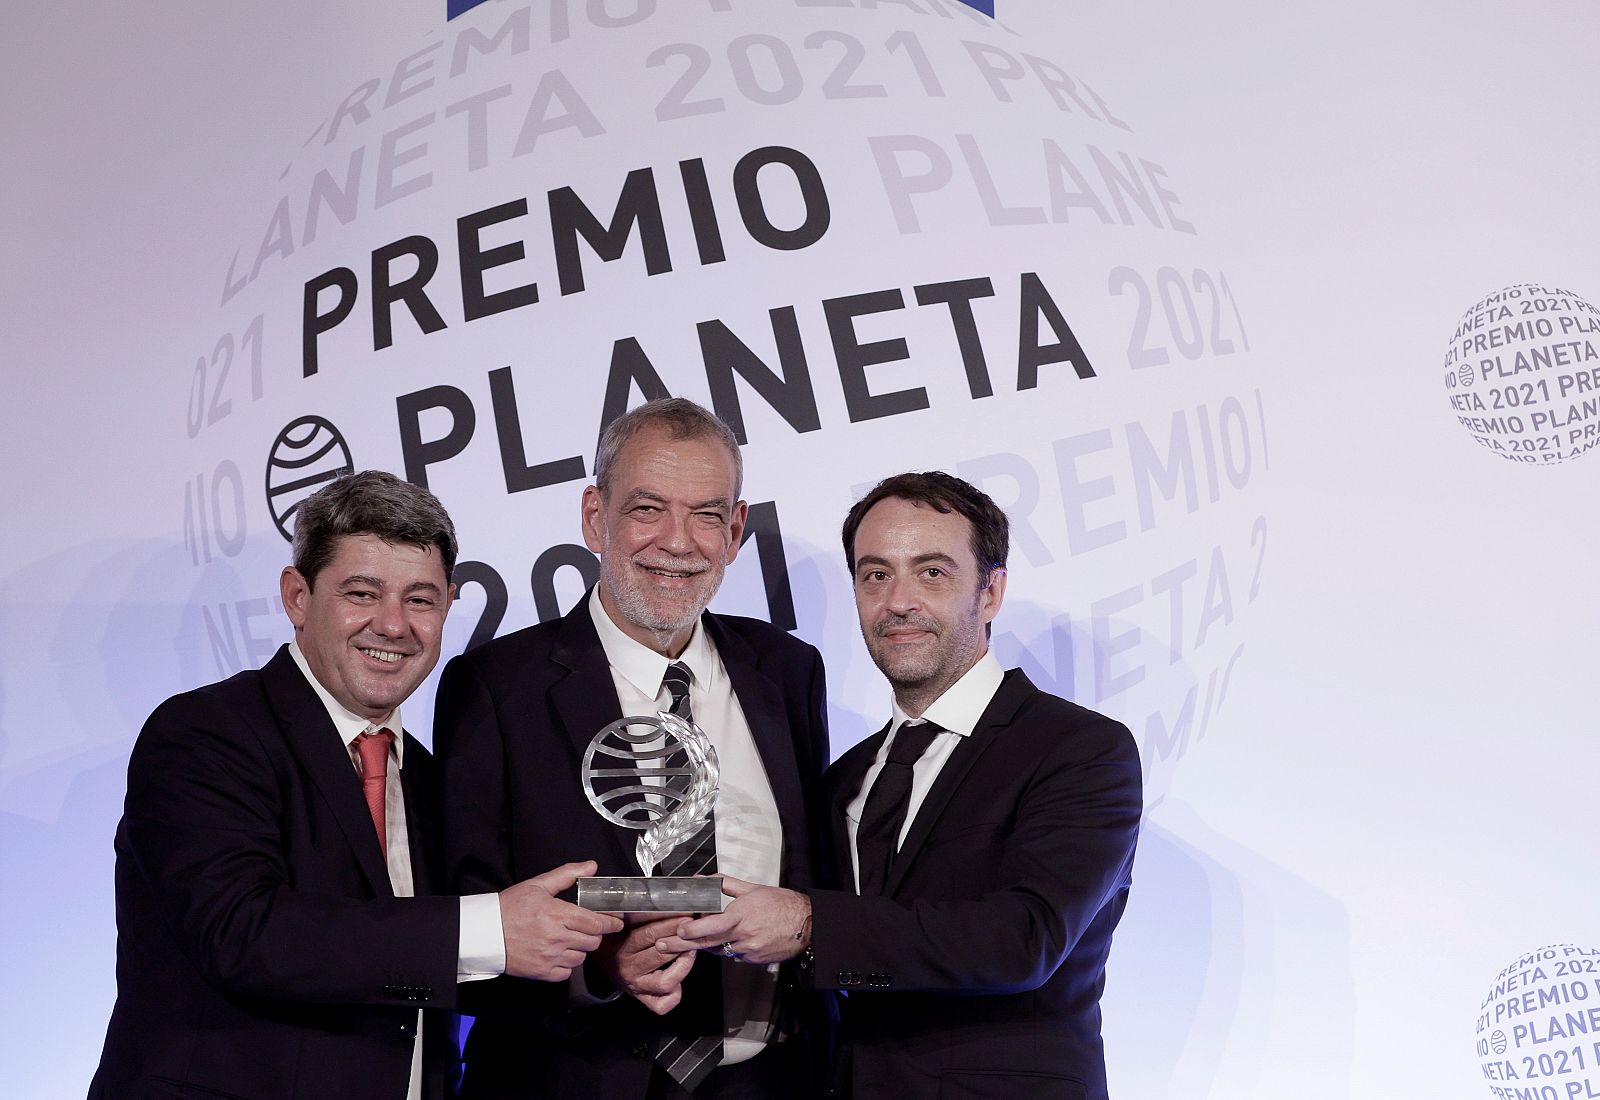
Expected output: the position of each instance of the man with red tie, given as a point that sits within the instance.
(982, 840)
(277, 930)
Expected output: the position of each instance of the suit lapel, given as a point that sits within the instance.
(844, 780)
(991, 728)
(314, 741)
(761, 700)
(585, 699)
(421, 827)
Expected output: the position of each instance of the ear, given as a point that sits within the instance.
(736, 522)
(449, 602)
(593, 519)
(993, 596)
(295, 593)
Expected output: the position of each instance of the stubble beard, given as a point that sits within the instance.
(908, 670)
(921, 677)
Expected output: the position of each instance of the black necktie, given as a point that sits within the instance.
(878, 837)
(693, 1047)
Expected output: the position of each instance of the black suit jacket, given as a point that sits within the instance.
(979, 972)
(514, 717)
(261, 952)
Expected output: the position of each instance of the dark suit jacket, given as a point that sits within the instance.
(979, 973)
(514, 717)
(260, 950)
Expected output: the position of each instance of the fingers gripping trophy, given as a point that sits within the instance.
(659, 775)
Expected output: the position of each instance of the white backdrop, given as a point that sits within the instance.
(1185, 288)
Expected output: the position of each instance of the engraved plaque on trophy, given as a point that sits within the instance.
(658, 775)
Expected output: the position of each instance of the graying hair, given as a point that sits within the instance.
(681, 419)
(371, 502)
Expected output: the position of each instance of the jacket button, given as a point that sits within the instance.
(641, 1051)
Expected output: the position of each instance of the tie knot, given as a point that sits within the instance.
(676, 681)
(912, 740)
(374, 750)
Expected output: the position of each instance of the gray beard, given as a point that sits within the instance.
(637, 608)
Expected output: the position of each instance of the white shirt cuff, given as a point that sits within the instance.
(481, 951)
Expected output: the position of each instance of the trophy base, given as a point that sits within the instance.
(637, 894)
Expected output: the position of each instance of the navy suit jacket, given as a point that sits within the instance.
(978, 972)
(513, 719)
(261, 952)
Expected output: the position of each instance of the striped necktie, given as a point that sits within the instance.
(693, 1046)
(698, 854)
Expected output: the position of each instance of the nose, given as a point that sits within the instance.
(902, 596)
(672, 534)
(389, 618)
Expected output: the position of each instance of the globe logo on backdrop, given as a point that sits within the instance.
(1536, 1026)
(863, 236)
(308, 453)
(1522, 374)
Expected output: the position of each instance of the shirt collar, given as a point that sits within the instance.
(350, 726)
(964, 701)
(642, 666)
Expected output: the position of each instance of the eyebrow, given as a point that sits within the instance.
(363, 580)
(921, 559)
(720, 503)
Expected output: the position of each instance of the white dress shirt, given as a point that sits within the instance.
(481, 948)
(749, 830)
(958, 711)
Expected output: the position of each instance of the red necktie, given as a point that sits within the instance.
(374, 750)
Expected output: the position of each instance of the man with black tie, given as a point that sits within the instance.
(274, 934)
(514, 718)
(983, 839)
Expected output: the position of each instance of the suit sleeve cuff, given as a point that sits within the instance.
(582, 992)
(481, 951)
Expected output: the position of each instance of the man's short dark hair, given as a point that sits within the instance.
(371, 502)
(991, 531)
(681, 419)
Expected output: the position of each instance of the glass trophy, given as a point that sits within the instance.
(658, 775)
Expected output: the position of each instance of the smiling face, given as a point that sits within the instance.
(665, 531)
(922, 612)
(370, 628)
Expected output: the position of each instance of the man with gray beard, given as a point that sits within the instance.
(513, 721)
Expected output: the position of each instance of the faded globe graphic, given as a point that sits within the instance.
(1522, 374)
(1536, 1027)
(870, 238)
